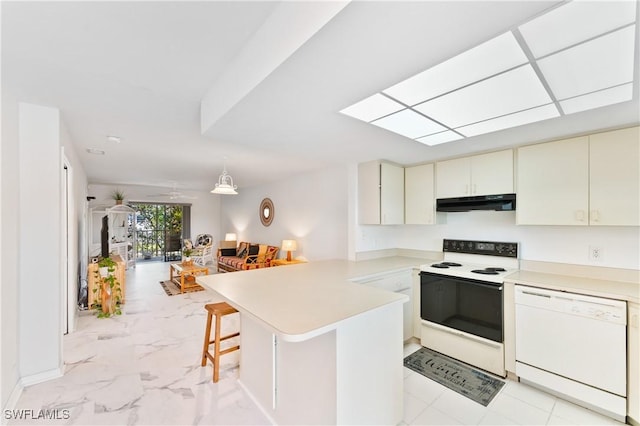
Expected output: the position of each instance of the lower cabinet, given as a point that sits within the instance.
(397, 282)
(633, 366)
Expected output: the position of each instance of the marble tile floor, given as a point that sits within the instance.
(143, 368)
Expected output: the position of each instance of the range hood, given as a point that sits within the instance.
(501, 202)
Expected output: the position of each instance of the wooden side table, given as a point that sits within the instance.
(94, 280)
(283, 262)
(181, 271)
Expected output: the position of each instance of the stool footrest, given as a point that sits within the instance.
(211, 342)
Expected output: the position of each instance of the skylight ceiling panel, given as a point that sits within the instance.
(598, 64)
(506, 93)
(373, 107)
(496, 55)
(408, 123)
(512, 120)
(598, 99)
(438, 138)
(575, 22)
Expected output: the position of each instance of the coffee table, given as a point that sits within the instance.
(178, 272)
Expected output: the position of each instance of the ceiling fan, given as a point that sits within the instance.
(174, 194)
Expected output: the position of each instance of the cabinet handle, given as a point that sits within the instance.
(595, 215)
(580, 215)
(466, 189)
(474, 189)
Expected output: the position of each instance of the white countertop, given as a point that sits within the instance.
(593, 287)
(302, 301)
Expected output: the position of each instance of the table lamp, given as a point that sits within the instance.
(230, 236)
(289, 246)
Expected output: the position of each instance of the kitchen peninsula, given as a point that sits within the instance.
(315, 347)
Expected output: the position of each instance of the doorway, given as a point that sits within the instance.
(160, 230)
(69, 284)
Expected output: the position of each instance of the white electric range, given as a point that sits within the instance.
(461, 301)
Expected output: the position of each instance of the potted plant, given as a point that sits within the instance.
(118, 195)
(186, 255)
(105, 266)
(108, 294)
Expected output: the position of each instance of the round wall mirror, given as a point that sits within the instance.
(266, 212)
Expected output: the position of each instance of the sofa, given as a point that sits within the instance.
(245, 256)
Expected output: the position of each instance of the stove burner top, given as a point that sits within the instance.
(445, 265)
(491, 270)
(485, 272)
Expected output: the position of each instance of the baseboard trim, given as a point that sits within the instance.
(13, 398)
(42, 377)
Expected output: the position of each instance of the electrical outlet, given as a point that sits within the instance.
(595, 253)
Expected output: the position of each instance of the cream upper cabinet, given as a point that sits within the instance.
(419, 205)
(453, 178)
(614, 181)
(589, 180)
(484, 174)
(553, 183)
(380, 193)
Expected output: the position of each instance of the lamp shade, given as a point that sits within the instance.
(289, 245)
(230, 236)
(225, 184)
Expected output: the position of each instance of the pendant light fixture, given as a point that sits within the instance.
(225, 184)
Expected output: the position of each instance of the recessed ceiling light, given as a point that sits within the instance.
(578, 56)
(408, 123)
(601, 63)
(373, 107)
(598, 99)
(439, 138)
(575, 22)
(512, 120)
(494, 56)
(115, 139)
(95, 151)
(506, 93)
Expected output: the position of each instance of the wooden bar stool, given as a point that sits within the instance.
(218, 310)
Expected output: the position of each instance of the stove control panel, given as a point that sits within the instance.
(489, 248)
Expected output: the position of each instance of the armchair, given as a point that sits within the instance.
(203, 249)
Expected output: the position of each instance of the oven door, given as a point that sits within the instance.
(472, 306)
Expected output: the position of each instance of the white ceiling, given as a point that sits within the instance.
(138, 70)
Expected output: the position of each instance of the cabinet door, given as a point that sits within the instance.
(369, 193)
(633, 355)
(391, 194)
(614, 183)
(419, 195)
(453, 178)
(553, 183)
(492, 173)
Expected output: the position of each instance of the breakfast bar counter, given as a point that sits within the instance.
(315, 347)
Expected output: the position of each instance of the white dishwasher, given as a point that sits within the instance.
(573, 345)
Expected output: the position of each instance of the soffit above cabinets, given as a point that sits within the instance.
(575, 57)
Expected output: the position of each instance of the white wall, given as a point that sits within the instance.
(9, 374)
(32, 137)
(561, 244)
(205, 208)
(39, 291)
(311, 208)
